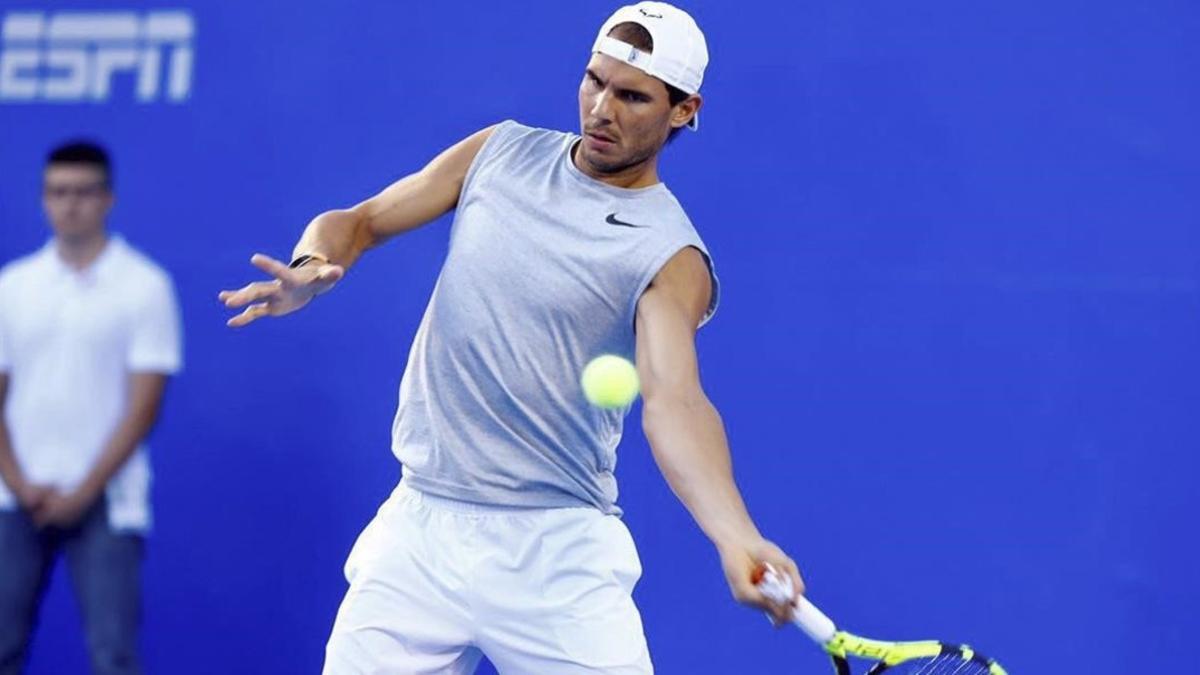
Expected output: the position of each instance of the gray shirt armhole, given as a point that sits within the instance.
(485, 153)
(656, 266)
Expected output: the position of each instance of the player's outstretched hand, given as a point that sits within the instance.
(290, 289)
(743, 564)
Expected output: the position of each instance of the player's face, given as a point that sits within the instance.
(76, 199)
(624, 115)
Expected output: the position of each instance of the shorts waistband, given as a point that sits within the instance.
(405, 490)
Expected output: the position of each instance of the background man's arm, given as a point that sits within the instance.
(29, 496)
(685, 431)
(141, 411)
(337, 238)
(10, 471)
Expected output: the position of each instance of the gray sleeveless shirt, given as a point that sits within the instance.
(543, 274)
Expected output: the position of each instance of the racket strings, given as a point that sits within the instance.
(945, 664)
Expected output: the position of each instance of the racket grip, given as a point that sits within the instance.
(805, 615)
(813, 621)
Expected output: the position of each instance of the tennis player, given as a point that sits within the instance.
(503, 536)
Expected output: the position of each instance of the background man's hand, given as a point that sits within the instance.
(62, 509)
(31, 497)
(290, 289)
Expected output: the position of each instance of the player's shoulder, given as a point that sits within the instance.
(513, 136)
(512, 129)
(671, 212)
(675, 206)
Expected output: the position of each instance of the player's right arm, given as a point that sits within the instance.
(335, 239)
(341, 236)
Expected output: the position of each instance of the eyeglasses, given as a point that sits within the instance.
(89, 191)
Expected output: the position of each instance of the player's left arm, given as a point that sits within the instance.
(145, 392)
(685, 431)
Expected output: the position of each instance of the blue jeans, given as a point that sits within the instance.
(105, 569)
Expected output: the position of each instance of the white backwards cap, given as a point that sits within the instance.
(680, 52)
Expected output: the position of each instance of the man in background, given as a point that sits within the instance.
(89, 333)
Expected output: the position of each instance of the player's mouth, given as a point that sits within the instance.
(599, 142)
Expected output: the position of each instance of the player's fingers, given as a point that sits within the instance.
(781, 611)
(781, 568)
(270, 265)
(779, 614)
(751, 594)
(746, 592)
(255, 292)
(252, 313)
(231, 298)
(793, 571)
(783, 618)
(327, 276)
(331, 273)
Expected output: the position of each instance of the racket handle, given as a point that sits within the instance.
(813, 621)
(805, 615)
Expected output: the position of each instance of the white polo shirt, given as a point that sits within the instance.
(69, 340)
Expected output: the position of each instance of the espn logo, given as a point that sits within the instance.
(76, 56)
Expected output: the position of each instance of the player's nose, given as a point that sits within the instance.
(602, 107)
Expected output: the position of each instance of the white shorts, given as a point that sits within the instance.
(437, 583)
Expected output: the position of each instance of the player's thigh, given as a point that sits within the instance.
(584, 620)
(382, 629)
(401, 613)
(370, 653)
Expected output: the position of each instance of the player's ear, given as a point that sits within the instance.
(685, 110)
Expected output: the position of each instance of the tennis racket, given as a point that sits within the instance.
(927, 657)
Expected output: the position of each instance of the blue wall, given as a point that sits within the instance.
(957, 353)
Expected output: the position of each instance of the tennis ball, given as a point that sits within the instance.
(609, 382)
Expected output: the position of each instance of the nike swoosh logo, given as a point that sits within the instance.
(612, 220)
